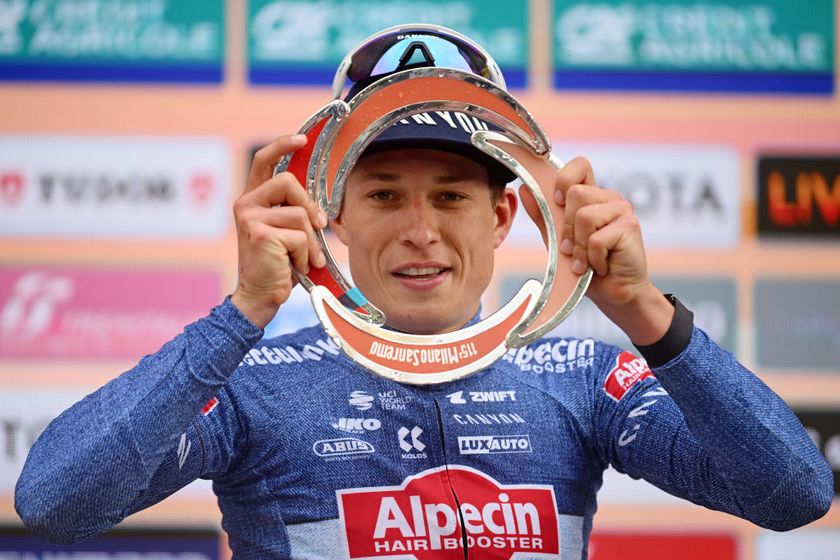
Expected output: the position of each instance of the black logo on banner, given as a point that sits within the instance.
(799, 196)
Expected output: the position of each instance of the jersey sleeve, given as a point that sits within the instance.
(140, 437)
(704, 428)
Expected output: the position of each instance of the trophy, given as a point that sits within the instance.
(397, 73)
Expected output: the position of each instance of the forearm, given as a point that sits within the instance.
(752, 439)
(94, 460)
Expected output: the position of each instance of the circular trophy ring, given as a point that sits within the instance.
(339, 133)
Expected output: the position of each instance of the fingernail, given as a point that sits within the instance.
(298, 138)
(566, 246)
(559, 197)
(578, 267)
(320, 260)
(321, 220)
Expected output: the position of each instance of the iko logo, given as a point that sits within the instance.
(342, 448)
(31, 309)
(414, 445)
(357, 425)
(482, 396)
(419, 519)
(484, 445)
(184, 446)
(361, 400)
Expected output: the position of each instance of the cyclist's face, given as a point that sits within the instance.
(421, 229)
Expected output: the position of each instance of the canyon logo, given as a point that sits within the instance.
(422, 519)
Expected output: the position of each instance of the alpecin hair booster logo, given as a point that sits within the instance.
(422, 518)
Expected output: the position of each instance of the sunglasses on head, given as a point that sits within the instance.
(405, 47)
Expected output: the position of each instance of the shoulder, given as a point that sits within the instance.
(306, 346)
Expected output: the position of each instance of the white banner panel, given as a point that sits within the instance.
(685, 195)
(121, 186)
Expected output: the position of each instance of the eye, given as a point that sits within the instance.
(451, 196)
(382, 196)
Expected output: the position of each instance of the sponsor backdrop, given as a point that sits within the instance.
(127, 128)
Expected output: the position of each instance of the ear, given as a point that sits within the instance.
(505, 211)
(338, 228)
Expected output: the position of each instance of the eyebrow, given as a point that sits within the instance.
(393, 177)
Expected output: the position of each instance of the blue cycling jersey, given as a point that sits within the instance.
(313, 457)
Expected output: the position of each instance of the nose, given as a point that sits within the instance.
(418, 223)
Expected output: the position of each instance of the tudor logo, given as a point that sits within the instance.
(11, 188)
(628, 371)
(421, 518)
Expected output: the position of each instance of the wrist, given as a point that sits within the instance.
(644, 318)
(258, 311)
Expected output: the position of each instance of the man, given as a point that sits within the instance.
(314, 457)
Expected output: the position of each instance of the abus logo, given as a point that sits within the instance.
(421, 518)
(482, 396)
(357, 425)
(11, 188)
(483, 445)
(627, 371)
(341, 447)
(361, 400)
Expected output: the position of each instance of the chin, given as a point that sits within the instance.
(422, 325)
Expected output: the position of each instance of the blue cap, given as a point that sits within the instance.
(448, 131)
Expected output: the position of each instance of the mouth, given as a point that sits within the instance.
(420, 272)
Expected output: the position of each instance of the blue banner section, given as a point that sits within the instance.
(117, 72)
(720, 82)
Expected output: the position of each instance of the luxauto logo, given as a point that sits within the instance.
(421, 518)
(486, 445)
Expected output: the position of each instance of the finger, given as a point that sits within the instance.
(286, 190)
(577, 171)
(293, 217)
(533, 210)
(578, 197)
(590, 221)
(296, 243)
(262, 166)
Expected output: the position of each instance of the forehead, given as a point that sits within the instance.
(418, 164)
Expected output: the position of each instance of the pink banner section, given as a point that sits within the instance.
(92, 313)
